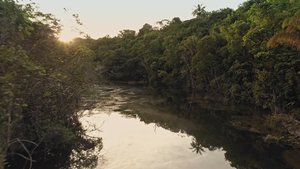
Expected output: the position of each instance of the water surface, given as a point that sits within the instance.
(140, 131)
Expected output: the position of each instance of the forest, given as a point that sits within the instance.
(249, 56)
(41, 82)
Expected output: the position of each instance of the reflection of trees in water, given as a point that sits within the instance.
(197, 147)
(84, 155)
(85, 159)
(243, 150)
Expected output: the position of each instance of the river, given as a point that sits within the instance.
(140, 131)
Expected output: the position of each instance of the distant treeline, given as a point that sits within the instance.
(250, 55)
(41, 81)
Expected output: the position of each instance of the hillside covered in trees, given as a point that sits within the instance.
(248, 56)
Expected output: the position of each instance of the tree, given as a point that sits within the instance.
(145, 29)
(290, 36)
(200, 11)
(40, 89)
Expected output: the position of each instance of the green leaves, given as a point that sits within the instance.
(290, 36)
(200, 11)
(221, 52)
(41, 82)
(14, 21)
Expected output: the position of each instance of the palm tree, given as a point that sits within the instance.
(290, 36)
(199, 11)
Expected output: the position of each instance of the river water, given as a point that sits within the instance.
(140, 131)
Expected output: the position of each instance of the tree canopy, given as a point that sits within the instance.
(41, 81)
(245, 56)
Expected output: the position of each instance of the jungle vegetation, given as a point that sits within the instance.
(245, 56)
(41, 82)
(249, 56)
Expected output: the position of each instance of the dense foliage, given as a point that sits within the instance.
(41, 80)
(244, 56)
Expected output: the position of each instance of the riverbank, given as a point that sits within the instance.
(275, 128)
(281, 129)
(118, 109)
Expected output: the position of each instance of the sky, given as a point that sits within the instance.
(109, 17)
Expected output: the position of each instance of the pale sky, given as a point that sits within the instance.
(108, 17)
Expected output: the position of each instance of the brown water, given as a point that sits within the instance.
(130, 143)
(140, 132)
